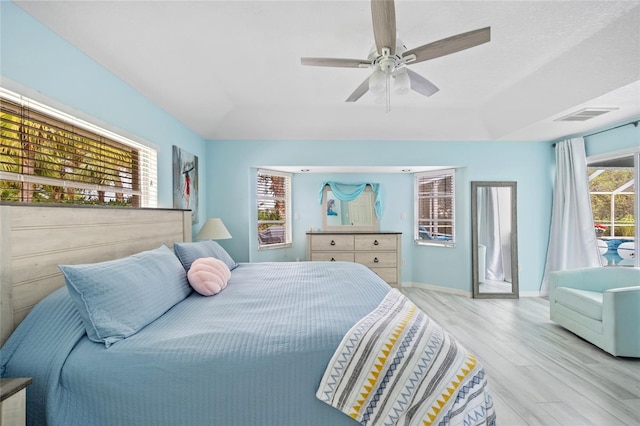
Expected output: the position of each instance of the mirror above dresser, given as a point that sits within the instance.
(350, 206)
(350, 213)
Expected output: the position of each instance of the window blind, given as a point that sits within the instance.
(274, 208)
(435, 207)
(47, 156)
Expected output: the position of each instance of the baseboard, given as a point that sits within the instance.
(530, 294)
(458, 291)
(437, 288)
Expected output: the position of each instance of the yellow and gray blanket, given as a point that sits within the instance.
(396, 366)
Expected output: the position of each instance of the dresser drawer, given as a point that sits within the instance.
(332, 242)
(327, 256)
(390, 275)
(375, 260)
(376, 242)
(380, 252)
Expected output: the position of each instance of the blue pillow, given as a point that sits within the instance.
(117, 298)
(188, 252)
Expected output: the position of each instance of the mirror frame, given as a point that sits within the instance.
(349, 228)
(514, 294)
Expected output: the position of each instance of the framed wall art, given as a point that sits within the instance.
(185, 181)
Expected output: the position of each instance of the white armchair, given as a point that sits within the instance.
(601, 305)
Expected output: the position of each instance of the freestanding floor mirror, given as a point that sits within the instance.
(494, 239)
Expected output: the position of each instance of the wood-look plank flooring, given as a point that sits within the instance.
(539, 373)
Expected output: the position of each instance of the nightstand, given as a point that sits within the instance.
(13, 401)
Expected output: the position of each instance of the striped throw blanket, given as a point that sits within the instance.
(396, 366)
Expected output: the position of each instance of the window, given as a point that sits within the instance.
(47, 156)
(274, 209)
(613, 202)
(435, 208)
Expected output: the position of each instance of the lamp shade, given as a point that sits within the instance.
(213, 229)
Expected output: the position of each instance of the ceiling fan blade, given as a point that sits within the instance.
(361, 90)
(450, 45)
(334, 62)
(421, 84)
(383, 13)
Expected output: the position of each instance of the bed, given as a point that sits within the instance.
(284, 343)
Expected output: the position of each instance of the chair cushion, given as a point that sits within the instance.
(587, 303)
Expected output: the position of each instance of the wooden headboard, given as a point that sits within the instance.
(34, 240)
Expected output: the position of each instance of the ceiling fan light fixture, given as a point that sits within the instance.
(402, 83)
(377, 82)
(389, 56)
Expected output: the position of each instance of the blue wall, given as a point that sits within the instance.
(618, 139)
(39, 64)
(231, 196)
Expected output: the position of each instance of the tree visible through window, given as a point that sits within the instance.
(47, 159)
(435, 207)
(274, 209)
(613, 198)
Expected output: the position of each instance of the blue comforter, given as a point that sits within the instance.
(252, 355)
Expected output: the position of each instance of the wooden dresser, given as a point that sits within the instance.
(380, 251)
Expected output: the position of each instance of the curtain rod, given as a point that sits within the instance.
(635, 124)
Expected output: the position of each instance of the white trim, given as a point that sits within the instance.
(262, 171)
(289, 210)
(17, 177)
(416, 180)
(613, 155)
(302, 169)
(437, 288)
(458, 291)
(530, 294)
(274, 246)
(627, 152)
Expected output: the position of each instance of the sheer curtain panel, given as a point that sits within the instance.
(572, 239)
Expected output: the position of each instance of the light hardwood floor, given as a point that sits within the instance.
(539, 373)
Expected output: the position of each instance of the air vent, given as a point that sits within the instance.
(585, 114)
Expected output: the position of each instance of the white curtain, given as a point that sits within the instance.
(490, 233)
(572, 239)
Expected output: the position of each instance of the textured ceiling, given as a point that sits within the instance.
(231, 69)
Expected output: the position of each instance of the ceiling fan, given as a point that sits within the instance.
(389, 56)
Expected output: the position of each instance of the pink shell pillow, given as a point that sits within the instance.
(208, 275)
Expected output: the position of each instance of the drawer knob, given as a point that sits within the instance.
(375, 260)
(375, 242)
(333, 243)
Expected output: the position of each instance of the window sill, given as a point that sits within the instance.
(435, 243)
(275, 246)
